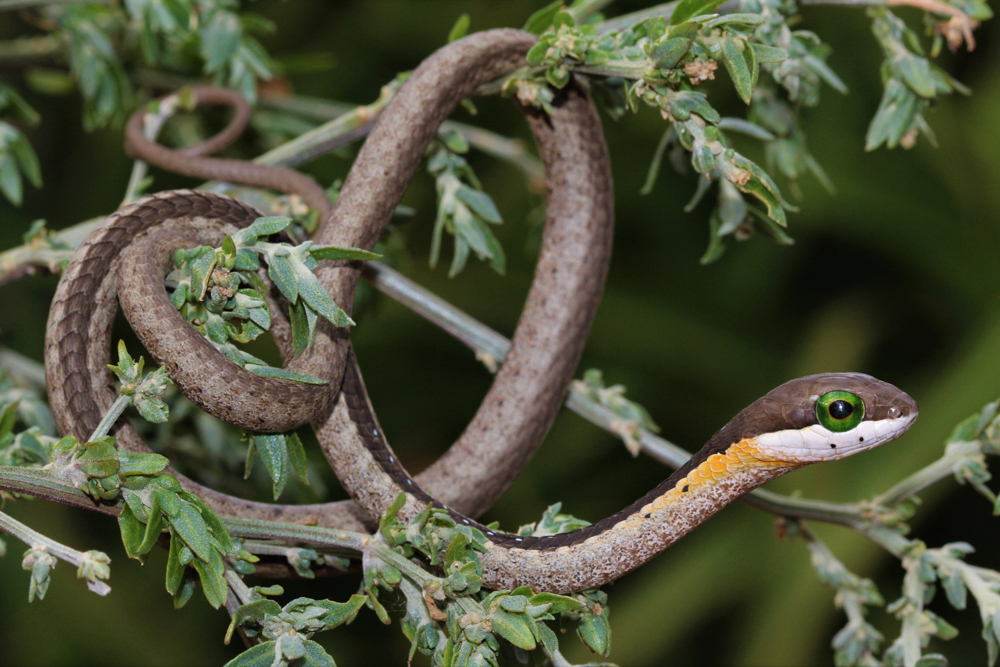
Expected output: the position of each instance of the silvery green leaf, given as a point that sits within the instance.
(896, 113)
(282, 274)
(955, 589)
(824, 72)
(191, 528)
(541, 19)
(514, 628)
(737, 19)
(932, 660)
(687, 9)
(333, 253)
(213, 579)
(220, 38)
(246, 260)
(460, 257)
(739, 70)
(466, 227)
(317, 298)
(273, 454)
(297, 456)
(269, 225)
(261, 655)
(314, 655)
(769, 54)
(733, 124)
(594, 631)
(302, 330)
(201, 266)
(152, 409)
(915, 72)
(480, 203)
(751, 179)
(132, 532)
(282, 374)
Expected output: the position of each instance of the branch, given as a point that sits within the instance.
(82, 561)
(491, 143)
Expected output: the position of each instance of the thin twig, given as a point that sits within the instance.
(34, 539)
(491, 143)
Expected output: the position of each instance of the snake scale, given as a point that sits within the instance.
(810, 419)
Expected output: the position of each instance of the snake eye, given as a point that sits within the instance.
(840, 411)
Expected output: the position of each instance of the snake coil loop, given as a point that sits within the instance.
(124, 258)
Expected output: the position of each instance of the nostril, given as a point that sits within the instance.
(894, 412)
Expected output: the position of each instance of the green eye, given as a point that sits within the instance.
(840, 411)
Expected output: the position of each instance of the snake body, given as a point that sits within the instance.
(780, 432)
(527, 392)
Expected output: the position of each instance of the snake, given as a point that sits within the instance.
(807, 420)
(529, 388)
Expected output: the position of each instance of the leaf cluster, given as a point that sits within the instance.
(911, 83)
(451, 618)
(287, 631)
(153, 502)
(464, 210)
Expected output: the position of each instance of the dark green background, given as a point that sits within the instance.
(896, 275)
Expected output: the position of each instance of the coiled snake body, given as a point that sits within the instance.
(806, 420)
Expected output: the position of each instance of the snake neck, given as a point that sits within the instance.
(595, 555)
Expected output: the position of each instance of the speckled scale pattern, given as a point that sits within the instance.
(532, 384)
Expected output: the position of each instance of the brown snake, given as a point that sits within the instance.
(526, 393)
(810, 419)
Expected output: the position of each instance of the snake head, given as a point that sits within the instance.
(826, 417)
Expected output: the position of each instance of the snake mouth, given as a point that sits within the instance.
(816, 443)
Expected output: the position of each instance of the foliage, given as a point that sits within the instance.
(659, 62)
(208, 289)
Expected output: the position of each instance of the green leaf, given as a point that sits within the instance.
(282, 273)
(133, 463)
(273, 454)
(315, 656)
(736, 64)
(687, 9)
(915, 72)
(559, 603)
(153, 528)
(261, 655)
(540, 21)
(716, 242)
(329, 252)
(213, 579)
(132, 532)
(514, 628)
(316, 297)
(301, 332)
(282, 374)
(595, 632)
(668, 53)
(191, 528)
(954, 588)
(480, 203)
(339, 613)
(219, 40)
(175, 568)
(769, 54)
(297, 456)
(461, 27)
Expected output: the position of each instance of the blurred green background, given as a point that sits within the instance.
(896, 275)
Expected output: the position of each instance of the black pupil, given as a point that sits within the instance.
(841, 409)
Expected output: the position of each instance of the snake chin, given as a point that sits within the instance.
(816, 443)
